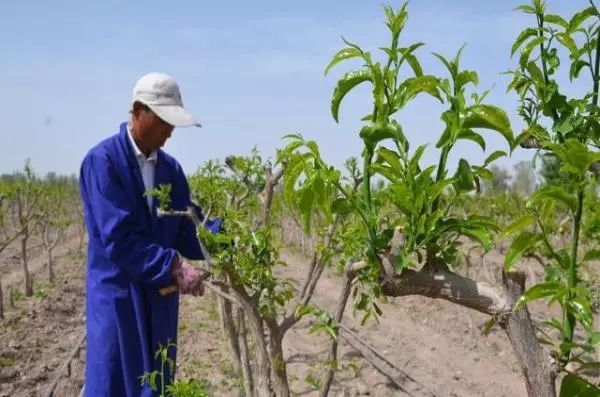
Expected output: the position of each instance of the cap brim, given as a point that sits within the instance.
(175, 115)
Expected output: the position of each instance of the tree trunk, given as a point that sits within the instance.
(28, 281)
(538, 369)
(50, 266)
(333, 348)
(278, 366)
(230, 332)
(244, 355)
(1, 301)
(263, 377)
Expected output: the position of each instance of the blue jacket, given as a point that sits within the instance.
(129, 259)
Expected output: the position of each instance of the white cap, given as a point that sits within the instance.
(161, 94)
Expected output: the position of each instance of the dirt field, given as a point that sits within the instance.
(437, 343)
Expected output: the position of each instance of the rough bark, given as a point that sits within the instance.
(536, 365)
(244, 355)
(267, 193)
(24, 263)
(230, 332)
(262, 379)
(444, 284)
(278, 365)
(51, 276)
(1, 300)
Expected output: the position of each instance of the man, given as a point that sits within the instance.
(132, 253)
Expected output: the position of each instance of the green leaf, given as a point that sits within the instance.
(407, 54)
(344, 85)
(555, 193)
(483, 173)
(569, 43)
(519, 225)
(526, 53)
(526, 9)
(580, 17)
(307, 197)
(290, 177)
(468, 134)
(489, 117)
(536, 74)
(574, 386)
(427, 84)
(539, 291)
(390, 157)
(556, 20)
(372, 134)
(449, 65)
(576, 67)
(479, 235)
(520, 244)
(344, 53)
(414, 64)
(341, 206)
(303, 310)
(493, 157)
(524, 35)
(594, 338)
(581, 310)
(593, 255)
(465, 77)
(464, 180)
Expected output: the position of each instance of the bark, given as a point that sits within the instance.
(11, 298)
(50, 266)
(24, 262)
(538, 369)
(278, 365)
(1, 301)
(444, 284)
(229, 330)
(333, 348)
(267, 193)
(262, 378)
(244, 356)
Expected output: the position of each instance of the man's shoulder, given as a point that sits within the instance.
(105, 149)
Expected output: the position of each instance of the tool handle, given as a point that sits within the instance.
(173, 288)
(168, 290)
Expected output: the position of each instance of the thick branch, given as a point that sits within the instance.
(531, 143)
(538, 369)
(267, 193)
(444, 284)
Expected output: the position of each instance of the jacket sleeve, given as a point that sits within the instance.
(187, 240)
(122, 235)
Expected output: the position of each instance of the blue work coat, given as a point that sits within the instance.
(129, 259)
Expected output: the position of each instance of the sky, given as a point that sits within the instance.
(251, 71)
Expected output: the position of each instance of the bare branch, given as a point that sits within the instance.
(444, 284)
(267, 193)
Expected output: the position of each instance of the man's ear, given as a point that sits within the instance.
(137, 108)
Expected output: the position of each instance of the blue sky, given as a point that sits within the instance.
(252, 71)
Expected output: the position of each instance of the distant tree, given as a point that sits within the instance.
(524, 179)
(550, 172)
(498, 184)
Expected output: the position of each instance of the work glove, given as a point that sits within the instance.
(189, 280)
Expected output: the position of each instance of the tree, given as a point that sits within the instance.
(524, 179)
(499, 182)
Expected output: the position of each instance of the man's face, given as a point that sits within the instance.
(149, 131)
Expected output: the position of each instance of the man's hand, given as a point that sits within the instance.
(189, 280)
